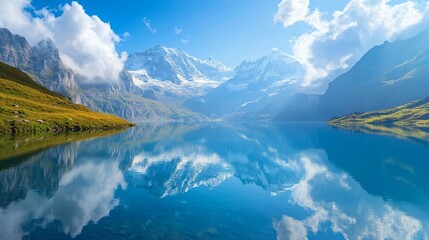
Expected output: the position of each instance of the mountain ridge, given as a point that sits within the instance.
(171, 74)
(255, 92)
(43, 63)
(388, 75)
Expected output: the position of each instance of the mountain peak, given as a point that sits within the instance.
(276, 61)
(172, 72)
(46, 43)
(163, 50)
(275, 52)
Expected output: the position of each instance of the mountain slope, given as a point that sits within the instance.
(414, 114)
(256, 91)
(171, 74)
(386, 76)
(43, 63)
(27, 107)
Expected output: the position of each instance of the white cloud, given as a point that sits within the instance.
(177, 30)
(148, 25)
(126, 35)
(339, 40)
(86, 43)
(15, 17)
(292, 11)
(184, 41)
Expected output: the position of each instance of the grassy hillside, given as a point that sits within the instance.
(409, 121)
(26, 107)
(414, 114)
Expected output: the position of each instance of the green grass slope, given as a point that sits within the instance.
(26, 107)
(414, 114)
(409, 121)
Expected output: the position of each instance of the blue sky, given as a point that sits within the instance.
(327, 37)
(229, 30)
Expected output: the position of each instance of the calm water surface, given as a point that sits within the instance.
(220, 181)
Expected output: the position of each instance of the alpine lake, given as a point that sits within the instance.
(219, 181)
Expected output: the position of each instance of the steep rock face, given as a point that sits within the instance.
(46, 66)
(14, 49)
(172, 74)
(122, 98)
(42, 62)
(256, 91)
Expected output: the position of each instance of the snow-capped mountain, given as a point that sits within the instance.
(43, 63)
(171, 74)
(256, 91)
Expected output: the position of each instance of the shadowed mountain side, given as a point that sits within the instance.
(386, 76)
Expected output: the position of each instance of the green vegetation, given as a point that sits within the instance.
(26, 107)
(414, 114)
(410, 121)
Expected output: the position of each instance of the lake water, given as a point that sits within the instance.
(220, 181)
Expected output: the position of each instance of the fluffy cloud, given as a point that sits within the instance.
(292, 11)
(86, 43)
(337, 41)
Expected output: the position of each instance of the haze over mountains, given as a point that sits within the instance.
(167, 84)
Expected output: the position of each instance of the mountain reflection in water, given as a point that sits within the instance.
(220, 181)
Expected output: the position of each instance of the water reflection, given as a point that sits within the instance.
(257, 181)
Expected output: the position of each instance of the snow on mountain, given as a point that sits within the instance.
(257, 89)
(171, 73)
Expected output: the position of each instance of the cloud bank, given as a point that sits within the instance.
(338, 40)
(86, 43)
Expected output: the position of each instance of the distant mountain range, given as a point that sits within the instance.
(257, 91)
(167, 84)
(172, 74)
(43, 63)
